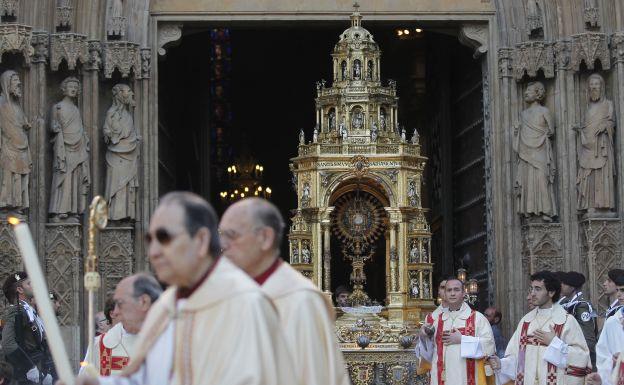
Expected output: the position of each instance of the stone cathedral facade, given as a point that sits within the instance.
(80, 110)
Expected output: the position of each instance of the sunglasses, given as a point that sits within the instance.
(162, 235)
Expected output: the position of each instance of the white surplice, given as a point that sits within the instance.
(307, 319)
(611, 341)
(121, 345)
(226, 332)
(567, 351)
(455, 356)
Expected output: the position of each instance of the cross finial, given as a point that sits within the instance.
(356, 5)
(356, 18)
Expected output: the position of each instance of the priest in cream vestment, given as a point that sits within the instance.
(251, 234)
(213, 325)
(458, 342)
(548, 346)
(610, 344)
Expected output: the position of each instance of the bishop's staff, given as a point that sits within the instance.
(44, 306)
(98, 218)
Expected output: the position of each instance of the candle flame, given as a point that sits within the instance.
(14, 221)
(83, 363)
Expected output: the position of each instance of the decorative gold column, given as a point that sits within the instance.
(326, 258)
(394, 284)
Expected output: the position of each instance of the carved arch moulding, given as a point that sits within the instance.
(168, 33)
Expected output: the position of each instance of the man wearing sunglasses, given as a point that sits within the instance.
(251, 233)
(213, 325)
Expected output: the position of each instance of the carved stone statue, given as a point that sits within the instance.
(305, 195)
(343, 131)
(116, 23)
(15, 160)
(596, 172)
(357, 70)
(357, 121)
(369, 70)
(374, 132)
(403, 136)
(122, 155)
(535, 174)
(426, 290)
(382, 119)
(315, 134)
(70, 164)
(295, 253)
(332, 120)
(414, 254)
(305, 254)
(412, 194)
(301, 137)
(415, 137)
(414, 290)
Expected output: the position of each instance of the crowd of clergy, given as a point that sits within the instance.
(235, 313)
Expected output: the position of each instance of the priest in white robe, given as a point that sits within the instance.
(424, 365)
(213, 325)
(548, 346)
(462, 338)
(610, 344)
(306, 315)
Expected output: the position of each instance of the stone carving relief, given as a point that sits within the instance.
(591, 14)
(71, 175)
(62, 261)
(64, 15)
(116, 23)
(122, 155)
(9, 8)
(476, 37)
(589, 47)
(534, 19)
(530, 57)
(124, 56)
(16, 38)
(168, 33)
(602, 251)
(15, 158)
(70, 47)
(116, 260)
(40, 43)
(542, 247)
(10, 257)
(563, 54)
(306, 198)
(596, 162)
(536, 167)
(94, 62)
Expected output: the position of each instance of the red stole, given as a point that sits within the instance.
(469, 330)
(108, 362)
(525, 340)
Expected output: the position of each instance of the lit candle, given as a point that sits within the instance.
(40, 290)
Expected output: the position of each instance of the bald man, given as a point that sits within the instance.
(251, 232)
(134, 296)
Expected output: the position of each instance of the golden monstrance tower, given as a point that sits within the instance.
(359, 220)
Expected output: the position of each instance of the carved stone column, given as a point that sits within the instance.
(63, 245)
(394, 278)
(326, 257)
(116, 256)
(617, 43)
(602, 251)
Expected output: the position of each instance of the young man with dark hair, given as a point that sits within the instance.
(615, 278)
(457, 342)
(23, 335)
(548, 346)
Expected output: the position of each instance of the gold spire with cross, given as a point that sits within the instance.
(356, 17)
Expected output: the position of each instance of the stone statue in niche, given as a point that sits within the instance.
(424, 255)
(305, 195)
(369, 70)
(412, 194)
(295, 253)
(305, 253)
(374, 132)
(343, 70)
(382, 119)
(15, 160)
(357, 70)
(596, 171)
(122, 155)
(535, 171)
(403, 135)
(301, 137)
(534, 19)
(426, 289)
(343, 132)
(357, 121)
(414, 254)
(315, 134)
(331, 121)
(71, 175)
(414, 290)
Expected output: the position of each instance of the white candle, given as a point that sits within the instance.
(44, 307)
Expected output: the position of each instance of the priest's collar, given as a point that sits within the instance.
(262, 278)
(185, 292)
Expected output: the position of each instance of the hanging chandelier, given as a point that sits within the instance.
(245, 180)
